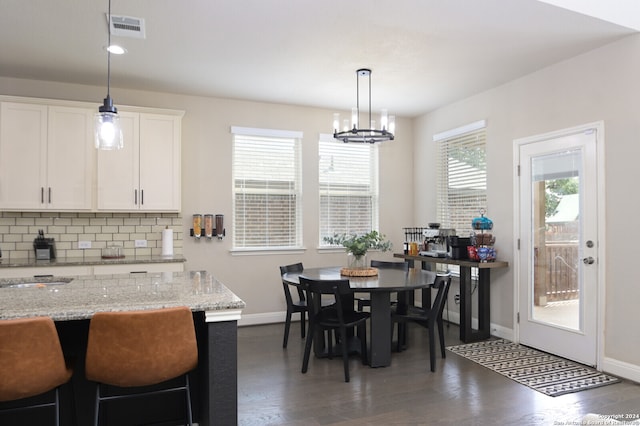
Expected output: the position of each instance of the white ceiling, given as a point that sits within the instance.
(423, 53)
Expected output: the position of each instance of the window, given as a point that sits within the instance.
(267, 189)
(348, 184)
(462, 176)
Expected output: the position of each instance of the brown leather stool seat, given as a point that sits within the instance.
(31, 362)
(141, 348)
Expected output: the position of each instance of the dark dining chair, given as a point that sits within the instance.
(382, 264)
(339, 317)
(31, 364)
(295, 306)
(428, 317)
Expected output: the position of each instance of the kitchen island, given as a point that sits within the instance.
(72, 301)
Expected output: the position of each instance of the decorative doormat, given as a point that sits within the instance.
(541, 371)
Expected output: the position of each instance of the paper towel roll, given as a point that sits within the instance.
(167, 242)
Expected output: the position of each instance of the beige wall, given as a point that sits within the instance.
(206, 181)
(600, 85)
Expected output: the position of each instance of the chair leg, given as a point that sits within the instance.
(441, 335)
(97, 406)
(432, 348)
(287, 326)
(307, 348)
(362, 334)
(402, 330)
(57, 405)
(188, 397)
(345, 352)
(303, 325)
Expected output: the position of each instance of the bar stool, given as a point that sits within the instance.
(141, 348)
(31, 362)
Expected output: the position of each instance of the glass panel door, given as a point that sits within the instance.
(558, 268)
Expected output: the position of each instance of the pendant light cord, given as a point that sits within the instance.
(109, 53)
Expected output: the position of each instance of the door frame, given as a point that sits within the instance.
(601, 233)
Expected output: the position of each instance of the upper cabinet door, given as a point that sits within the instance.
(118, 176)
(70, 158)
(23, 151)
(46, 159)
(159, 162)
(145, 174)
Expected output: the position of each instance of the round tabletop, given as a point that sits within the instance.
(386, 280)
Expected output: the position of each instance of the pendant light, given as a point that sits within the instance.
(367, 133)
(108, 133)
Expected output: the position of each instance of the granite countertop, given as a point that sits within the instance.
(83, 296)
(87, 261)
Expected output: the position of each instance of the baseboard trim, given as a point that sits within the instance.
(621, 369)
(278, 317)
(265, 318)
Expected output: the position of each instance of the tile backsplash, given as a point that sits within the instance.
(19, 229)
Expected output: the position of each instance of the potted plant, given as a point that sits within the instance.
(358, 245)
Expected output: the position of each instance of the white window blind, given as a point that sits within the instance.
(348, 184)
(462, 177)
(267, 189)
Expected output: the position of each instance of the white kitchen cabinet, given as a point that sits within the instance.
(85, 270)
(56, 271)
(46, 157)
(145, 174)
(132, 268)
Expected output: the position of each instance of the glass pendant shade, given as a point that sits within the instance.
(108, 132)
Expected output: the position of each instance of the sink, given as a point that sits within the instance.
(41, 282)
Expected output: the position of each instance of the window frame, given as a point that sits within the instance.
(467, 177)
(269, 136)
(325, 226)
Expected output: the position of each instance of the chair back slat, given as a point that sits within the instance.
(340, 289)
(442, 284)
(383, 264)
(295, 267)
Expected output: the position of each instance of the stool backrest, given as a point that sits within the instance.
(140, 348)
(31, 359)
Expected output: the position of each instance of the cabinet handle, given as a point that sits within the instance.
(42, 195)
(142, 197)
(49, 195)
(135, 197)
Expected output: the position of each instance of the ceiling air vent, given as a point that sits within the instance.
(127, 26)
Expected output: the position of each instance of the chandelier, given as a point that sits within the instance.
(368, 133)
(108, 133)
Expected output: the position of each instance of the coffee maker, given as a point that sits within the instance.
(436, 241)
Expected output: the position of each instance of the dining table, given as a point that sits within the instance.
(379, 287)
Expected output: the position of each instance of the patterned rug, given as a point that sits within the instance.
(541, 371)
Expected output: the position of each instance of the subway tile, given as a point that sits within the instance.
(19, 229)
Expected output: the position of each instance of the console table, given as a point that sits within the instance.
(467, 332)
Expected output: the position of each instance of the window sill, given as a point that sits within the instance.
(267, 251)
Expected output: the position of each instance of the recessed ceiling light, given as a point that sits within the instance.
(116, 50)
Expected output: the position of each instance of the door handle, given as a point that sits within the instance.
(588, 260)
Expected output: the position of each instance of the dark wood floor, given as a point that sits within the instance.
(273, 391)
